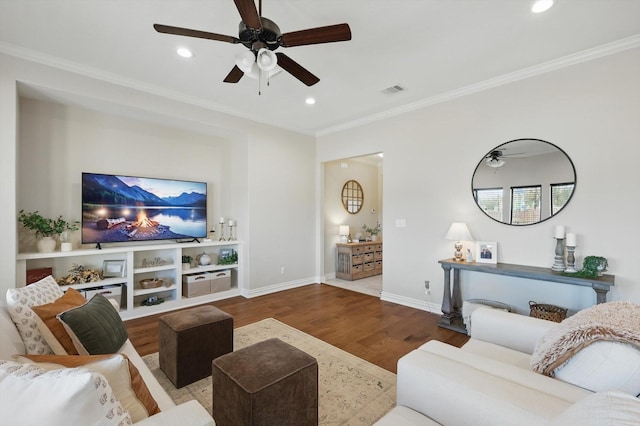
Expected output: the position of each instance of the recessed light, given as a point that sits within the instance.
(541, 6)
(310, 101)
(184, 52)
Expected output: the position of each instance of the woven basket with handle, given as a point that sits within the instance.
(547, 312)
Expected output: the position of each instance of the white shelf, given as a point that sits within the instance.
(145, 291)
(132, 255)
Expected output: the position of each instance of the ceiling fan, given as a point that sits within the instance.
(262, 36)
(496, 157)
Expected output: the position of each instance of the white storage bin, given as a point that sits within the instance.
(220, 281)
(109, 291)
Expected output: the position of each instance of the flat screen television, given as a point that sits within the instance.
(118, 208)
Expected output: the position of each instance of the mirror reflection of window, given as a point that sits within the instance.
(352, 197)
(502, 180)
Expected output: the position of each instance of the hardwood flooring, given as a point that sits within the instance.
(379, 332)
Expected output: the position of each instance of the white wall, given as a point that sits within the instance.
(266, 179)
(589, 110)
(335, 176)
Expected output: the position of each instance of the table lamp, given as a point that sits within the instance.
(458, 232)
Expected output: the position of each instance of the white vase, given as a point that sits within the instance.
(46, 244)
(374, 238)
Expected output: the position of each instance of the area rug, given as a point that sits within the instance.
(351, 391)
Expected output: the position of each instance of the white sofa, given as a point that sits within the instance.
(489, 381)
(190, 413)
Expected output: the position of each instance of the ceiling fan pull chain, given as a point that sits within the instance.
(259, 82)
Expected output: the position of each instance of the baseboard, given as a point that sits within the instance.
(410, 302)
(274, 288)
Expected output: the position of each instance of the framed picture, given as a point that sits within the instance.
(113, 268)
(486, 252)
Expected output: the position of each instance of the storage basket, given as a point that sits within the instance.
(151, 283)
(547, 312)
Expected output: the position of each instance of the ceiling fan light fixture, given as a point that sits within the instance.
(495, 162)
(266, 59)
(541, 6)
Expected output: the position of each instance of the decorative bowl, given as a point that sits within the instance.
(151, 283)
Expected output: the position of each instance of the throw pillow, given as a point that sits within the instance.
(52, 330)
(19, 303)
(95, 327)
(69, 396)
(123, 376)
(602, 408)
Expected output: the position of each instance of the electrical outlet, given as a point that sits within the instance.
(282, 269)
(427, 287)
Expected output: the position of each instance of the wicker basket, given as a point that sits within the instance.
(151, 283)
(547, 312)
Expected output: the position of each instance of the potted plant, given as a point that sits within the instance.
(186, 261)
(45, 228)
(373, 231)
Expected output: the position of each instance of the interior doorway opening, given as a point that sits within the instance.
(367, 171)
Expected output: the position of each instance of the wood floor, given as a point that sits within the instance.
(379, 332)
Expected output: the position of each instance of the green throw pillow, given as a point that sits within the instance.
(95, 327)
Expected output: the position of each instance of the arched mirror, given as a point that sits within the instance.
(523, 182)
(352, 196)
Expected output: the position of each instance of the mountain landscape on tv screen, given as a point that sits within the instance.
(127, 208)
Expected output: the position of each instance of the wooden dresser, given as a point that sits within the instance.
(358, 260)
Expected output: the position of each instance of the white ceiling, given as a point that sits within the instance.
(436, 49)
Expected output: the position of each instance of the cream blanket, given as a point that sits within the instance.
(613, 321)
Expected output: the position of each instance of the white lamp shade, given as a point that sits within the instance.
(245, 61)
(458, 232)
(266, 59)
(495, 162)
(344, 230)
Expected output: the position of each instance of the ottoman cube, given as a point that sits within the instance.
(268, 383)
(189, 340)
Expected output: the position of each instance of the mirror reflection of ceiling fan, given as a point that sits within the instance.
(262, 36)
(496, 157)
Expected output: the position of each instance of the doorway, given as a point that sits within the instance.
(367, 171)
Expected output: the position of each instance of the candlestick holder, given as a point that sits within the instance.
(571, 259)
(558, 263)
(221, 225)
(232, 236)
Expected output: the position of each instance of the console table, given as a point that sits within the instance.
(452, 301)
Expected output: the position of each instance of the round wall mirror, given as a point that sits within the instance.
(523, 182)
(352, 196)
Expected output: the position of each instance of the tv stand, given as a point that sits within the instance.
(98, 246)
(194, 240)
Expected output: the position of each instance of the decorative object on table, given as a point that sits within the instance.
(113, 268)
(221, 225)
(469, 257)
(343, 231)
(65, 241)
(152, 263)
(227, 257)
(152, 300)
(592, 267)
(204, 259)
(571, 248)
(78, 274)
(232, 230)
(558, 262)
(45, 228)
(373, 232)
(186, 261)
(458, 232)
(547, 312)
(487, 252)
(151, 283)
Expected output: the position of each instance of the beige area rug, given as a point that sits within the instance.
(351, 391)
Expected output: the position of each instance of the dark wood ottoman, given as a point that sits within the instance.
(268, 383)
(189, 340)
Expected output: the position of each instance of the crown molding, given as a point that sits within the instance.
(535, 70)
(116, 79)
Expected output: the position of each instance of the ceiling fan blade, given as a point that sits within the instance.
(234, 75)
(328, 34)
(167, 29)
(249, 13)
(296, 70)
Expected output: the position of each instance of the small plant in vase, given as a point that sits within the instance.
(186, 261)
(45, 228)
(373, 231)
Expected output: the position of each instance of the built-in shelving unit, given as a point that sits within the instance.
(165, 262)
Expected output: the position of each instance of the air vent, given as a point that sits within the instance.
(393, 90)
